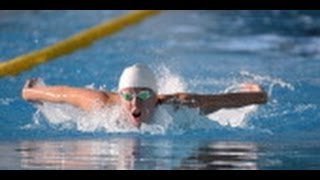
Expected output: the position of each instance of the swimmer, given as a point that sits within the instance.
(137, 95)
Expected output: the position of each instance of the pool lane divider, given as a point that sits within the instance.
(80, 40)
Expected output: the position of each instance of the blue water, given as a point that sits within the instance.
(193, 51)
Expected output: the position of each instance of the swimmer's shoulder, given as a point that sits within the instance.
(167, 98)
(110, 98)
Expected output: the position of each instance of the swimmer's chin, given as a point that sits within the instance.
(136, 122)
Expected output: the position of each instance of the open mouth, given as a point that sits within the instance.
(136, 114)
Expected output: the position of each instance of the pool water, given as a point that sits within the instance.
(192, 51)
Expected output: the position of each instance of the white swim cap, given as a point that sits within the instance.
(138, 75)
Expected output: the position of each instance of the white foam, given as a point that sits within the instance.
(303, 107)
(233, 117)
(169, 82)
(6, 101)
(252, 43)
(267, 79)
(166, 119)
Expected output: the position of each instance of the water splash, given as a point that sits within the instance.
(267, 79)
(6, 101)
(169, 82)
(233, 117)
(166, 119)
(253, 43)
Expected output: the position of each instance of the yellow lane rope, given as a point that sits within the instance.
(80, 40)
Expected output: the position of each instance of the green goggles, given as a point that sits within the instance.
(142, 95)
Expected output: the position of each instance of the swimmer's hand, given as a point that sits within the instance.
(250, 87)
(32, 83)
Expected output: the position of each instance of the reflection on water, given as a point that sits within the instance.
(83, 154)
(222, 156)
(133, 153)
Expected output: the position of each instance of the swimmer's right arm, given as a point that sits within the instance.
(86, 99)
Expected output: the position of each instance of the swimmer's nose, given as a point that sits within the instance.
(136, 101)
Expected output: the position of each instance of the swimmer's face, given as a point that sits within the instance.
(138, 104)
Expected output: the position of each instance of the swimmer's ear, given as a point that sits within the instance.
(34, 82)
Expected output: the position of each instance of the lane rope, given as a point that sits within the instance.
(80, 40)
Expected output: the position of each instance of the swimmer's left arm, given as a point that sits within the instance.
(250, 94)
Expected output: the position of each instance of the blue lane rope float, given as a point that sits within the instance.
(80, 40)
